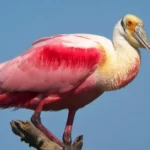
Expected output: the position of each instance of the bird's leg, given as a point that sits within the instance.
(36, 120)
(67, 133)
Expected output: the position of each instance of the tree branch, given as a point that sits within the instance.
(35, 138)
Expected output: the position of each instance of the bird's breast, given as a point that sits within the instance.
(129, 74)
(116, 76)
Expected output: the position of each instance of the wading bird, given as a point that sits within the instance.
(69, 71)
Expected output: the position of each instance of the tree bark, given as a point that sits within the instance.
(35, 138)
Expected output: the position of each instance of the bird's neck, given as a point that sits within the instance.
(127, 60)
(123, 50)
(122, 66)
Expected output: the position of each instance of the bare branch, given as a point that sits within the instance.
(35, 138)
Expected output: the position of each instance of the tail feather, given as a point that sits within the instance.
(4, 100)
(16, 99)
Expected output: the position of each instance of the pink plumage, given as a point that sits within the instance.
(50, 66)
(56, 71)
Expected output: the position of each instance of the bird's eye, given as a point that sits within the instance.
(122, 24)
(129, 23)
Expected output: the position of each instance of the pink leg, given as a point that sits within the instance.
(68, 129)
(36, 120)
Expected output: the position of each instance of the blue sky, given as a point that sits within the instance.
(117, 120)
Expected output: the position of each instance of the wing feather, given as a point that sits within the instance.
(55, 64)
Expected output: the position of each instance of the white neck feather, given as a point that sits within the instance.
(123, 62)
(123, 49)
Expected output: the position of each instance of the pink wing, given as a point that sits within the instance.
(54, 64)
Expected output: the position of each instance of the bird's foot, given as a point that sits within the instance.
(77, 144)
(67, 140)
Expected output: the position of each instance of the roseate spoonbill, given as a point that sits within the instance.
(69, 71)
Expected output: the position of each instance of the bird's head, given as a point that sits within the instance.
(134, 32)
